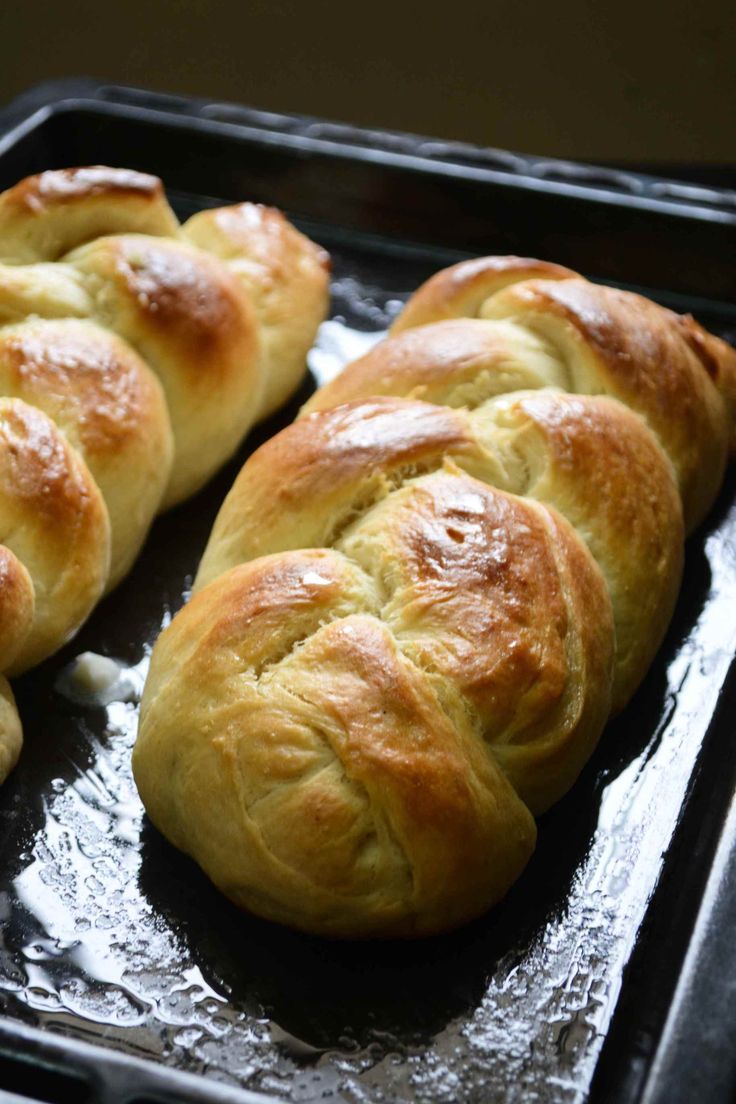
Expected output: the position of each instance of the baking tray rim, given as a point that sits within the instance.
(403, 150)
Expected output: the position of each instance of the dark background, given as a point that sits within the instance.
(630, 81)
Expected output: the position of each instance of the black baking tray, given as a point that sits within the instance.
(607, 974)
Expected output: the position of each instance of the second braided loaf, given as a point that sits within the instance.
(418, 607)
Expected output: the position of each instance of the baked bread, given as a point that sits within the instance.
(135, 354)
(420, 602)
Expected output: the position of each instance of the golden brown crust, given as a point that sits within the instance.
(99, 290)
(186, 315)
(563, 332)
(451, 558)
(543, 770)
(299, 489)
(111, 408)
(172, 291)
(45, 216)
(226, 324)
(500, 576)
(340, 741)
(278, 267)
(628, 347)
(470, 605)
(719, 360)
(60, 186)
(473, 588)
(454, 363)
(53, 519)
(462, 290)
(101, 375)
(17, 602)
(308, 483)
(594, 461)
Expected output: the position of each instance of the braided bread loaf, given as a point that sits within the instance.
(135, 354)
(418, 607)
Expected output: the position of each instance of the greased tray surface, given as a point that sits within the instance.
(107, 934)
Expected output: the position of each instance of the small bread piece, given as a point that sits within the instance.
(151, 355)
